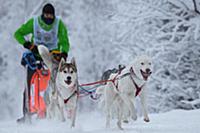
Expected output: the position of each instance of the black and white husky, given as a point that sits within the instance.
(62, 95)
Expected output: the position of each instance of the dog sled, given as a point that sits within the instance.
(34, 96)
(34, 102)
(35, 87)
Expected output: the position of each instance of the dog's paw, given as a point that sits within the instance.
(146, 120)
(125, 121)
(134, 117)
(73, 125)
(63, 119)
(119, 124)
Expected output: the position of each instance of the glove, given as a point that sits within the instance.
(28, 45)
(35, 49)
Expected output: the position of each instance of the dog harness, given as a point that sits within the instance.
(117, 77)
(66, 100)
(75, 92)
(138, 89)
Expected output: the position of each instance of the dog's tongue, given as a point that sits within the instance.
(68, 82)
(145, 78)
(145, 75)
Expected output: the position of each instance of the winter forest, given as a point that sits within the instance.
(106, 33)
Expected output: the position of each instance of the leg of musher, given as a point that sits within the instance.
(26, 95)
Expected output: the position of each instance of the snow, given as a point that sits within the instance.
(104, 34)
(176, 121)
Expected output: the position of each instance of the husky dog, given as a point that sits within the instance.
(119, 95)
(62, 95)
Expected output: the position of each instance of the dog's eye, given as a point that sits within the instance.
(71, 72)
(149, 63)
(65, 71)
(142, 63)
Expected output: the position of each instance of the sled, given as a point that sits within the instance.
(35, 103)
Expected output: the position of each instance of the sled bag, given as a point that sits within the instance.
(39, 84)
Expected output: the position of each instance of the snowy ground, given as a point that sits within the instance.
(177, 121)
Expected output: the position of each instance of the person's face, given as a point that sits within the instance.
(48, 16)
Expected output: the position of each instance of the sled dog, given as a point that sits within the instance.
(118, 96)
(62, 94)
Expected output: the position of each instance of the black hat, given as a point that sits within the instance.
(48, 8)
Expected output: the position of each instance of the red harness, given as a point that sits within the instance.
(75, 92)
(138, 89)
(66, 100)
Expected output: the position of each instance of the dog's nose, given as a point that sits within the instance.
(69, 78)
(148, 70)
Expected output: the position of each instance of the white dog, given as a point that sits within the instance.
(63, 94)
(119, 95)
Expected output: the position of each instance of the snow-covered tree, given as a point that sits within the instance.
(168, 31)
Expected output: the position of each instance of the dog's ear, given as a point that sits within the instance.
(73, 61)
(62, 62)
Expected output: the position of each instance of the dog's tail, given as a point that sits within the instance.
(44, 53)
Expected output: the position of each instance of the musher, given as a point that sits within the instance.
(46, 29)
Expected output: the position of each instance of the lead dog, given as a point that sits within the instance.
(63, 94)
(119, 95)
